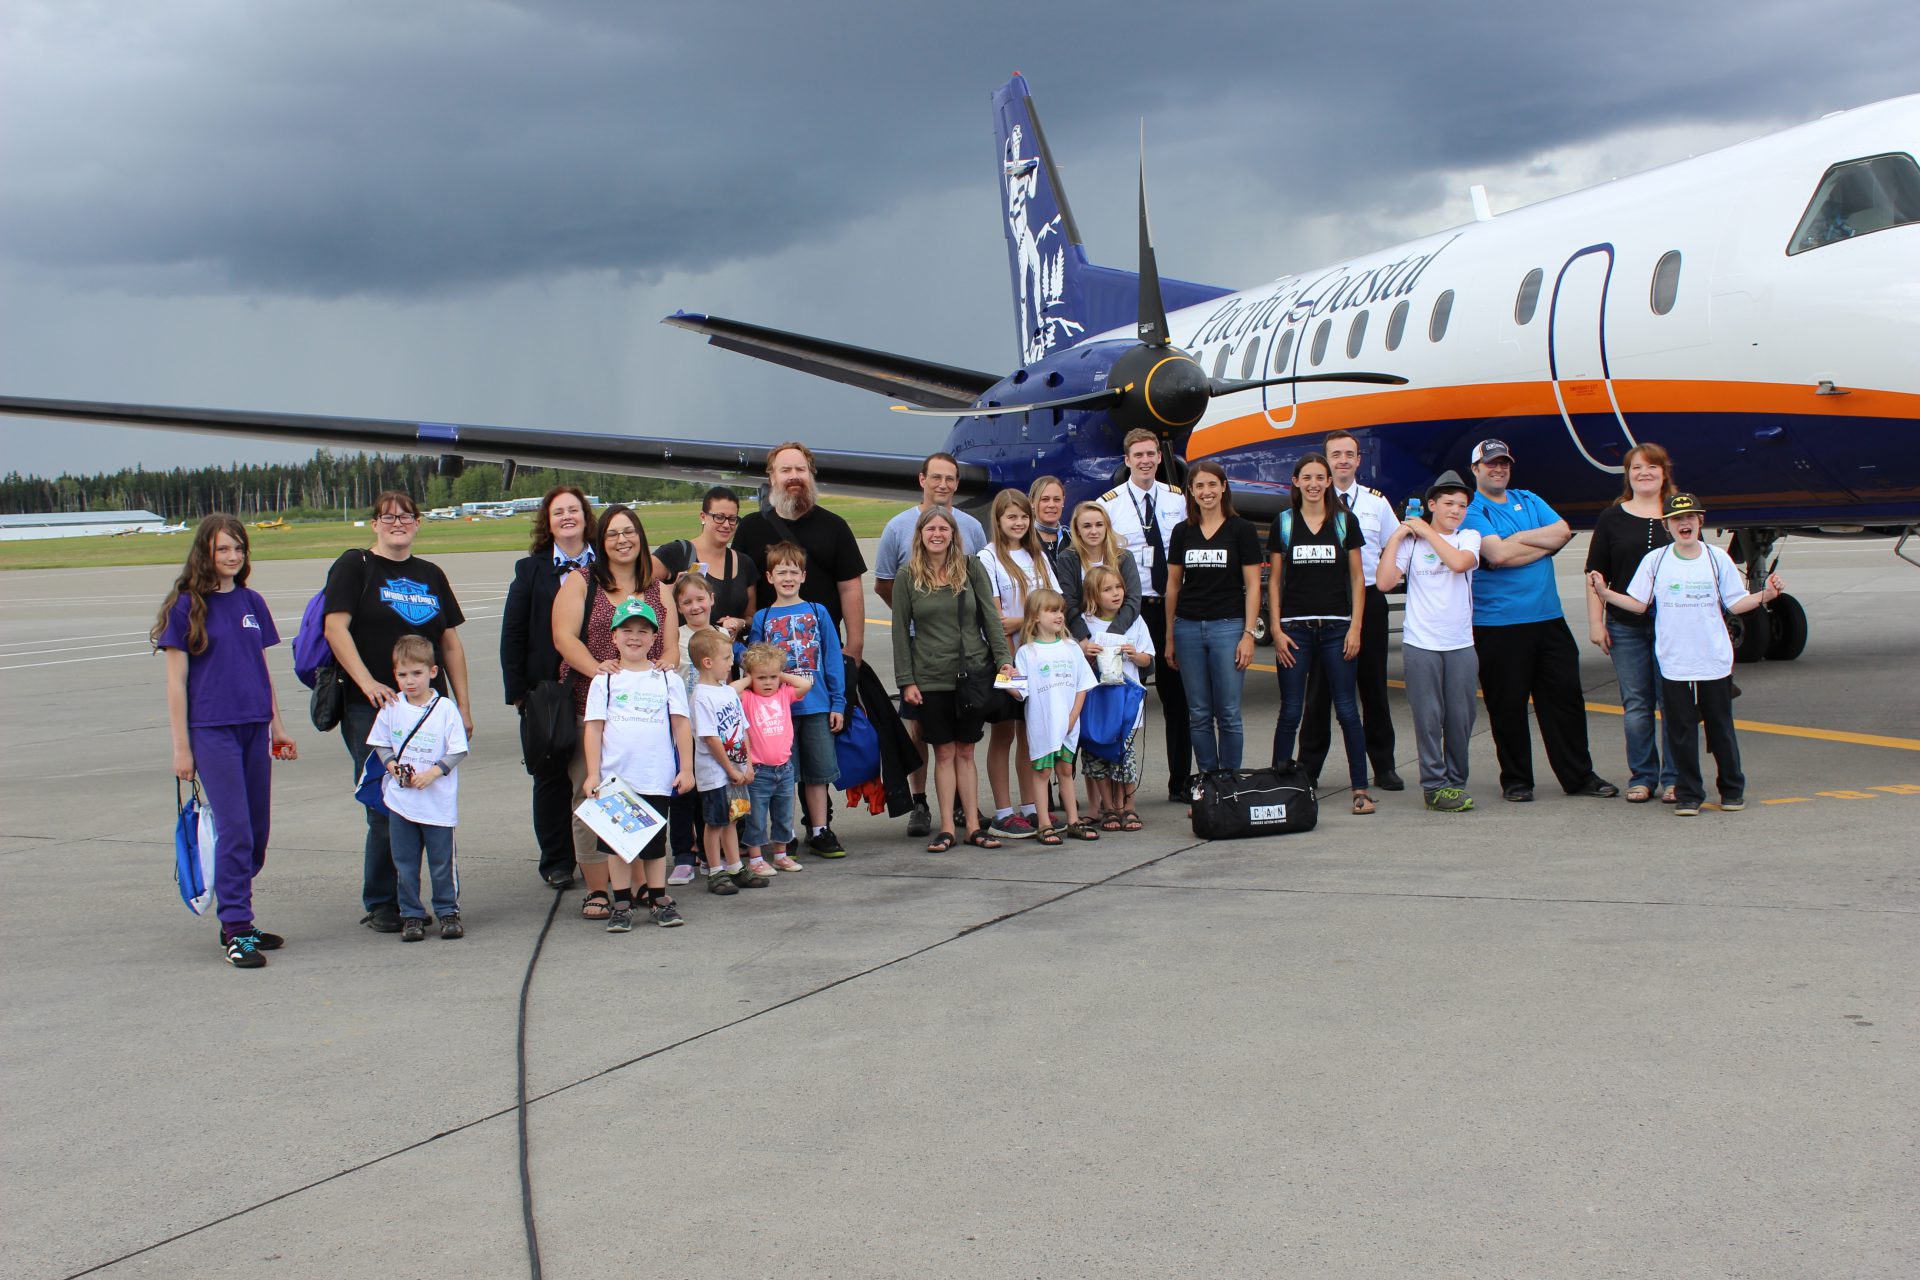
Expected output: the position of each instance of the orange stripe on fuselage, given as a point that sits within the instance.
(1494, 400)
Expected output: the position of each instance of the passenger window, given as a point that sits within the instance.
(1220, 361)
(1529, 299)
(1356, 335)
(1442, 312)
(1250, 363)
(1397, 327)
(1319, 351)
(1666, 282)
(1858, 198)
(1283, 354)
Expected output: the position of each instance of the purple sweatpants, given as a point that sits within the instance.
(236, 774)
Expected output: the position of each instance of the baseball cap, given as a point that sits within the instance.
(633, 609)
(1448, 482)
(1683, 504)
(1488, 450)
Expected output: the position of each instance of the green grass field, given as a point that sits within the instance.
(323, 540)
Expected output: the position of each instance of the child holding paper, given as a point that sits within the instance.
(637, 730)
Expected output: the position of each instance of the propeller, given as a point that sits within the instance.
(1155, 385)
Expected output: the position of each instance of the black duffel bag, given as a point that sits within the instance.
(1234, 803)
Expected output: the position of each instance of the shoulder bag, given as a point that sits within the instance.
(549, 730)
(974, 694)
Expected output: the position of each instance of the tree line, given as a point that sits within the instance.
(324, 487)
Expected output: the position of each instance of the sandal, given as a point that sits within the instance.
(1049, 836)
(1669, 796)
(592, 910)
(1638, 794)
(1130, 821)
(941, 843)
(1362, 803)
(1081, 830)
(979, 839)
(1110, 820)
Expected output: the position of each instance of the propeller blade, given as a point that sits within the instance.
(1153, 311)
(1088, 400)
(1220, 388)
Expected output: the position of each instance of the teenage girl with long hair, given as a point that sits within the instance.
(1091, 544)
(1015, 564)
(225, 720)
(1213, 599)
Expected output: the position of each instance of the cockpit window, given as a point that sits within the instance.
(1857, 198)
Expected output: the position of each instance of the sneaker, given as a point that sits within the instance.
(761, 867)
(262, 940)
(450, 926)
(748, 878)
(1597, 787)
(1732, 804)
(666, 914)
(413, 929)
(621, 921)
(1519, 794)
(1015, 826)
(721, 883)
(827, 845)
(920, 821)
(382, 919)
(682, 873)
(1686, 808)
(244, 953)
(785, 862)
(1448, 800)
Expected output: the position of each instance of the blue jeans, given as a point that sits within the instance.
(409, 840)
(771, 792)
(1204, 651)
(1322, 644)
(1648, 756)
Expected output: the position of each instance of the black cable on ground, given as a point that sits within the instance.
(520, 1099)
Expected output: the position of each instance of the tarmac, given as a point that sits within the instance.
(1573, 1038)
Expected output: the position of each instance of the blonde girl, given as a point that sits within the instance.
(1057, 679)
(1111, 783)
(1091, 544)
(1015, 565)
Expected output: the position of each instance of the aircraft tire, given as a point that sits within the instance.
(1752, 634)
(1261, 635)
(1788, 633)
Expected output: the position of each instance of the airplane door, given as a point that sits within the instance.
(1577, 359)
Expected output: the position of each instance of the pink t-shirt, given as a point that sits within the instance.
(769, 724)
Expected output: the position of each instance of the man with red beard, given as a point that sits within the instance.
(835, 566)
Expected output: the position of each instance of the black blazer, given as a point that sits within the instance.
(527, 655)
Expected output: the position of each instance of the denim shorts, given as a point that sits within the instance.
(714, 808)
(813, 750)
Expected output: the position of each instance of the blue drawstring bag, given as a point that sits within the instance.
(857, 750)
(1106, 721)
(193, 842)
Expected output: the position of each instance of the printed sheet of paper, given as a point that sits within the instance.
(619, 816)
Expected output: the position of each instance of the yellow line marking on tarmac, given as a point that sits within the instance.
(1744, 726)
(1790, 800)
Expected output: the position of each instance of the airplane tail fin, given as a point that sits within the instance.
(1059, 297)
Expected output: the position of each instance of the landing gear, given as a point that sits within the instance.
(1777, 631)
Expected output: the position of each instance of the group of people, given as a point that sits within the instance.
(712, 674)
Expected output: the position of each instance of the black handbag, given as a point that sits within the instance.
(549, 729)
(974, 694)
(1232, 804)
(328, 700)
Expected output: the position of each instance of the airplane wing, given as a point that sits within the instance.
(844, 471)
(918, 382)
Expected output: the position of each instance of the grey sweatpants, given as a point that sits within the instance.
(1440, 691)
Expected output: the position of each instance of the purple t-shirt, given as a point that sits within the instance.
(227, 681)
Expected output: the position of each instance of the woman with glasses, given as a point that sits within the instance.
(732, 573)
(621, 568)
(374, 597)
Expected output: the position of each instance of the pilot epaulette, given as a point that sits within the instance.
(1110, 494)
(1376, 493)
(1173, 488)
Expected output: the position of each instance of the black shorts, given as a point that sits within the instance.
(941, 722)
(656, 847)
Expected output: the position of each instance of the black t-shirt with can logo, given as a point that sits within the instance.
(1212, 584)
(386, 599)
(1316, 579)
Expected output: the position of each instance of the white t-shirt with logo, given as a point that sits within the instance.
(1439, 615)
(1690, 640)
(1012, 600)
(636, 745)
(440, 735)
(1055, 672)
(717, 713)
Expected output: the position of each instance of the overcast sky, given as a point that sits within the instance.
(479, 211)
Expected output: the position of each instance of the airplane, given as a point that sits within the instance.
(171, 528)
(279, 522)
(1752, 309)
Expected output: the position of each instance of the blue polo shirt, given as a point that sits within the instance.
(1507, 597)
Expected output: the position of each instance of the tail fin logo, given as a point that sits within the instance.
(1040, 277)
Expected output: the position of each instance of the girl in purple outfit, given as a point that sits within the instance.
(226, 723)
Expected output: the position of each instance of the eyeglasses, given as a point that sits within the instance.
(396, 518)
(628, 536)
(717, 518)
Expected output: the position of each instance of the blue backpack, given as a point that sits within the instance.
(1107, 717)
(310, 648)
(856, 749)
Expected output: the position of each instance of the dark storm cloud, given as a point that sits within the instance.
(332, 149)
